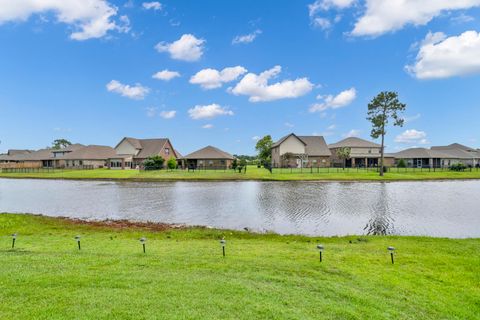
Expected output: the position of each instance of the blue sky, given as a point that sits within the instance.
(86, 73)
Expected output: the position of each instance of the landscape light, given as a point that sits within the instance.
(77, 238)
(14, 237)
(392, 251)
(320, 250)
(223, 242)
(142, 241)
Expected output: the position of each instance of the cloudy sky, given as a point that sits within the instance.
(227, 72)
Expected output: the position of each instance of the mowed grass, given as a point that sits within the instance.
(253, 173)
(184, 276)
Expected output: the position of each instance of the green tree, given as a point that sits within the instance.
(153, 163)
(60, 144)
(401, 164)
(234, 164)
(343, 154)
(172, 163)
(263, 147)
(381, 109)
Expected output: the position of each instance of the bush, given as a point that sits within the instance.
(172, 163)
(458, 167)
(153, 163)
(401, 164)
(234, 164)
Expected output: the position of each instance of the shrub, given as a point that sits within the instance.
(458, 167)
(153, 163)
(172, 163)
(234, 164)
(401, 164)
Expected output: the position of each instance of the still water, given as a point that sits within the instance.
(441, 209)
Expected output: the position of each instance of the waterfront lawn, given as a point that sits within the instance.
(253, 173)
(184, 276)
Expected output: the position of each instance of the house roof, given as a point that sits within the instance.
(179, 155)
(147, 147)
(413, 153)
(91, 152)
(453, 146)
(14, 152)
(354, 142)
(315, 146)
(279, 142)
(38, 155)
(69, 148)
(209, 152)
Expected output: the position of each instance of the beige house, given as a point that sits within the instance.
(131, 152)
(363, 153)
(436, 157)
(208, 158)
(467, 155)
(300, 152)
(91, 156)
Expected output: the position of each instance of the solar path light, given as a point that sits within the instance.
(14, 237)
(320, 250)
(392, 251)
(77, 238)
(142, 241)
(223, 242)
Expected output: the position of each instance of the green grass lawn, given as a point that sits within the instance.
(184, 276)
(253, 173)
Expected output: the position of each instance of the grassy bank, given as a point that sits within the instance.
(183, 275)
(253, 173)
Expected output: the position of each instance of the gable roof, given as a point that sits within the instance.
(209, 152)
(91, 152)
(413, 153)
(147, 147)
(354, 142)
(14, 152)
(279, 142)
(315, 146)
(69, 148)
(39, 155)
(454, 146)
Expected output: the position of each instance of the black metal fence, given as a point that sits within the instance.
(44, 170)
(365, 170)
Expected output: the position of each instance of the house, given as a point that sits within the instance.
(208, 158)
(429, 158)
(91, 156)
(131, 152)
(363, 153)
(300, 152)
(467, 155)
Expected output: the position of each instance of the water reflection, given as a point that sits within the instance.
(447, 209)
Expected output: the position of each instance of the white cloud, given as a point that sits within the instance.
(208, 111)
(412, 136)
(168, 114)
(412, 118)
(89, 19)
(257, 87)
(322, 23)
(166, 75)
(342, 99)
(247, 38)
(256, 138)
(289, 125)
(387, 16)
(324, 5)
(187, 48)
(207, 126)
(151, 112)
(155, 5)
(211, 78)
(440, 56)
(462, 18)
(137, 92)
(352, 133)
(331, 127)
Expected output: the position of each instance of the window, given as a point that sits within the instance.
(167, 151)
(370, 151)
(210, 162)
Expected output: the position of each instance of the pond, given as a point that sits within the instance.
(440, 209)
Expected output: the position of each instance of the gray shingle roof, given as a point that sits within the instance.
(91, 152)
(209, 152)
(354, 142)
(453, 146)
(315, 146)
(282, 139)
(147, 147)
(413, 153)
